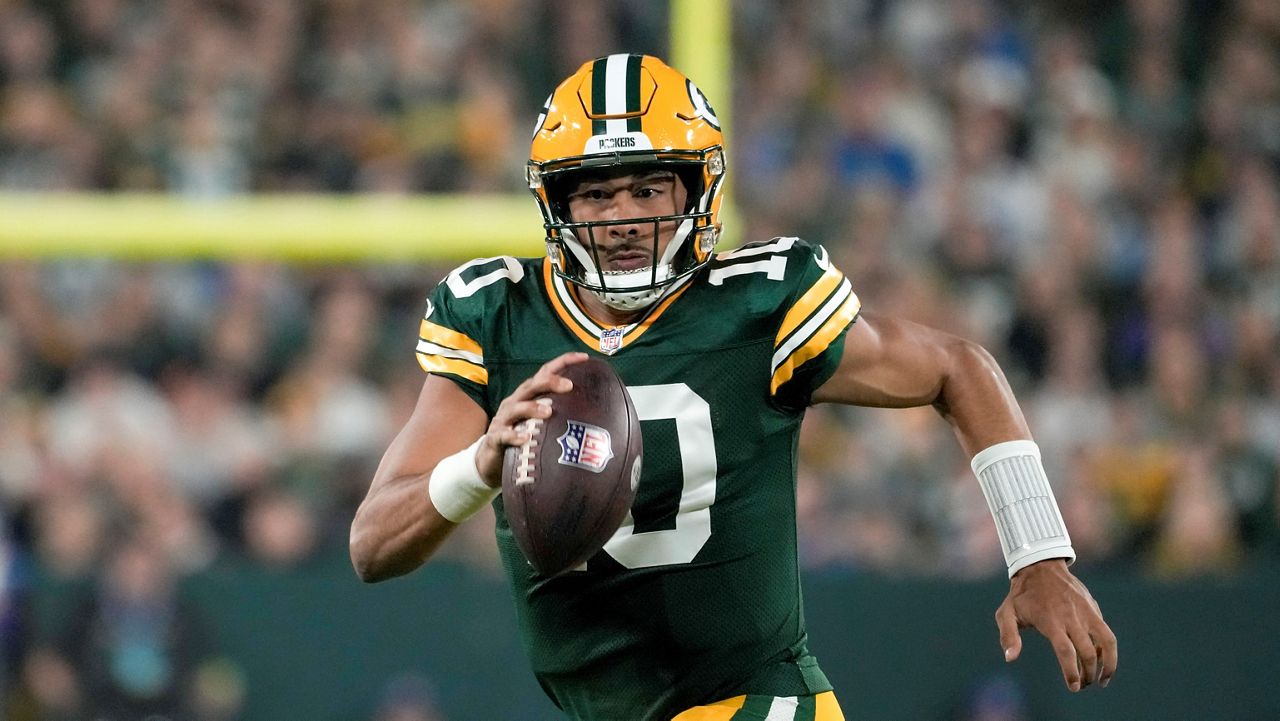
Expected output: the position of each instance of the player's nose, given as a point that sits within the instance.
(621, 220)
(624, 229)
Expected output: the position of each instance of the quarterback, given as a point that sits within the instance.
(692, 610)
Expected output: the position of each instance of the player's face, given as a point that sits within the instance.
(624, 245)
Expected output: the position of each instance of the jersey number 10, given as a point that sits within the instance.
(692, 415)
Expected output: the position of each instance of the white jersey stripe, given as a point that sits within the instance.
(811, 326)
(435, 349)
(562, 290)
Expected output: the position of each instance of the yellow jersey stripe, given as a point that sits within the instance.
(447, 337)
(453, 366)
(811, 325)
(808, 303)
(548, 278)
(818, 342)
(644, 325)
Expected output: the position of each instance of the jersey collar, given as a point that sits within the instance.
(605, 339)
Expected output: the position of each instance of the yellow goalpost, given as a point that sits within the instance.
(327, 228)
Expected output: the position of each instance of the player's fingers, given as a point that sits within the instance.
(555, 365)
(547, 379)
(508, 425)
(516, 436)
(1007, 624)
(543, 383)
(514, 412)
(1086, 654)
(1065, 650)
(1108, 651)
(549, 374)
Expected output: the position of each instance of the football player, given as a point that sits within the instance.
(692, 610)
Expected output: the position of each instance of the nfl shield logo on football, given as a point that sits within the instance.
(585, 446)
(611, 340)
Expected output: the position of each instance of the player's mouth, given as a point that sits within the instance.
(626, 260)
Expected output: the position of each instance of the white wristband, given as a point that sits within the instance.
(456, 488)
(1027, 518)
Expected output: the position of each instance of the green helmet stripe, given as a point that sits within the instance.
(599, 93)
(633, 92)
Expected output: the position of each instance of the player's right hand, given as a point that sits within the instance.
(521, 405)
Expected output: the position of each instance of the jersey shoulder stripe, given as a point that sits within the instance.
(812, 299)
(816, 319)
(816, 335)
(452, 332)
(444, 350)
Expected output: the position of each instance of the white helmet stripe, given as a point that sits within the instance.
(615, 98)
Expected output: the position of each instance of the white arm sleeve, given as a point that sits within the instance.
(1022, 503)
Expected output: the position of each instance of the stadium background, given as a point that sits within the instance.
(219, 220)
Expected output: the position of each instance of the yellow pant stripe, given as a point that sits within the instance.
(718, 711)
(825, 708)
(828, 708)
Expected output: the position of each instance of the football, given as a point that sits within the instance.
(569, 488)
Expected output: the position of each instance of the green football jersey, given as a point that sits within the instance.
(696, 598)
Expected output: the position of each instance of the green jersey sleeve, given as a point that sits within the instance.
(812, 323)
(453, 331)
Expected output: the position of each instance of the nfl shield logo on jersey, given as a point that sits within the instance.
(585, 446)
(610, 340)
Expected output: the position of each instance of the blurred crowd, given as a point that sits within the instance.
(1093, 193)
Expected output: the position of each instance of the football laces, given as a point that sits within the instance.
(528, 456)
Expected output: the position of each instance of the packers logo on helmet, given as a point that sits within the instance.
(628, 113)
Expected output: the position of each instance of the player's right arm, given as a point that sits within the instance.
(398, 527)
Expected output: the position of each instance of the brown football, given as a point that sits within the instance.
(567, 491)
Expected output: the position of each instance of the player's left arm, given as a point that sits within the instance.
(893, 363)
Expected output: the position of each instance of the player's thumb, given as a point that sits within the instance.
(1010, 639)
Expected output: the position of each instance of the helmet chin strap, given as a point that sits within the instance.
(641, 297)
(634, 300)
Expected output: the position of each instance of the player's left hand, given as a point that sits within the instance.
(1047, 597)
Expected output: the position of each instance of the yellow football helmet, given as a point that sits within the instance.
(628, 111)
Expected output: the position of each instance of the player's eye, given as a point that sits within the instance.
(593, 194)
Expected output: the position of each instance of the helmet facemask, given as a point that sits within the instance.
(580, 249)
